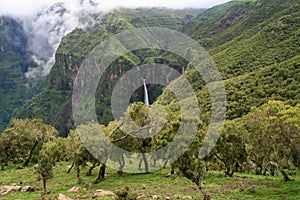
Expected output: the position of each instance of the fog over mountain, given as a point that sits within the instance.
(46, 22)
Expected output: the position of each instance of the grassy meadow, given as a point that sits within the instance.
(218, 186)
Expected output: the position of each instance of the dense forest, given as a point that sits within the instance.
(255, 46)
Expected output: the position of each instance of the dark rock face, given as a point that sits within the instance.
(13, 37)
(54, 104)
(13, 64)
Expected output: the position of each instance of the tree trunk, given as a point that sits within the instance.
(146, 164)
(286, 177)
(265, 171)
(89, 172)
(259, 170)
(154, 162)
(165, 164)
(140, 164)
(229, 170)
(69, 170)
(78, 175)
(197, 181)
(45, 186)
(172, 168)
(2, 165)
(237, 166)
(101, 175)
(122, 164)
(30, 154)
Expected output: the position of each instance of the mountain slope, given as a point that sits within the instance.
(255, 44)
(54, 103)
(15, 89)
(260, 64)
(225, 22)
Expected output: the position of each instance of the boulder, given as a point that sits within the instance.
(100, 192)
(155, 197)
(75, 189)
(27, 188)
(63, 197)
(4, 190)
(143, 196)
(187, 197)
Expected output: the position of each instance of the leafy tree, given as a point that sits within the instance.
(24, 140)
(87, 145)
(77, 153)
(273, 134)
(231, 147)
(47, 158)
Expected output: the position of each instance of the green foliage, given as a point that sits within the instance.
(231, 147)
(23, 141)
(15, 89)
(274, 125)
(260, 62)
(47, 159)
(53, 105)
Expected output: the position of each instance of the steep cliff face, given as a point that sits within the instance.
(255, 44)
(55, 102)
(15, 89)
(63, 73)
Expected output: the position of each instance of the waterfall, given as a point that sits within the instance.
(146, 98)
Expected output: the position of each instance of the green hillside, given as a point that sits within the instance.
(54, 103)
(167, 150)
(258, 64)
(15, 89)
(244, 38)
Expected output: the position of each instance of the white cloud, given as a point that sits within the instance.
(46, 24)
(31, 7)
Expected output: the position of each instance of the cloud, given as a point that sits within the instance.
(47, 21)
(31, 7)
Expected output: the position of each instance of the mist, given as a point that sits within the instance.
(47, 22)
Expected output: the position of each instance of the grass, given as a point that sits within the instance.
(250, 186)
(219, 186)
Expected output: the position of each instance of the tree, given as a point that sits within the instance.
(23, 141)
(47, 158)
(186, 149)
(134, 133)
(231, 147)
(273, 134)
(77, 153)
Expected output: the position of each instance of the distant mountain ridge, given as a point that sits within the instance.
(54, 103)
(255, 44)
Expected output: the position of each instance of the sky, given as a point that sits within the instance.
(31, 7)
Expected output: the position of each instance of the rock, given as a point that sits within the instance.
(100, 192)
(143, 196)
(155, 197)
(36, 166)
(187, 197)
(4, 190)
(63, 197)
(75, 189)
(168, 198)
(27, 188)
